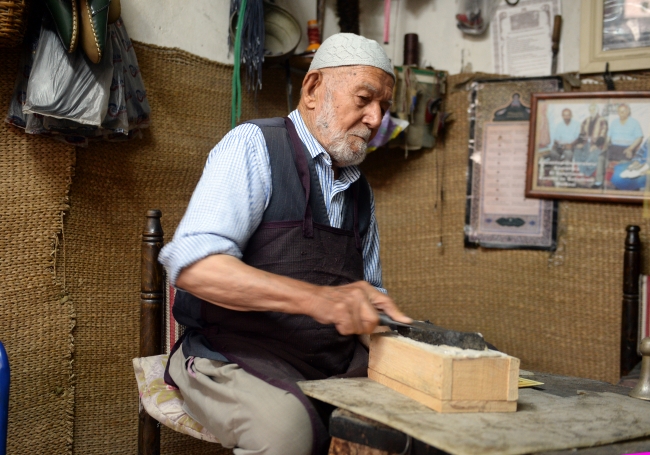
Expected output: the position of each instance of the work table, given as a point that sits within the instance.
(563, 413)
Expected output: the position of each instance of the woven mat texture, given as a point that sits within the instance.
(35, 318)
(558, 312)
(114, 185)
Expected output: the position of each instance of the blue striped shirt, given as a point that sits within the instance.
(234, 191)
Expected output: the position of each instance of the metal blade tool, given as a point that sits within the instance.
(429, 333)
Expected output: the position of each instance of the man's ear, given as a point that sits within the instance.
(310, 84)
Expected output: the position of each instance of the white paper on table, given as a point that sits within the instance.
(521, 38)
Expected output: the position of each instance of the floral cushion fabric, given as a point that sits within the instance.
(163, 402)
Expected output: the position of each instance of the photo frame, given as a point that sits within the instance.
(605, 36)
(589, 146)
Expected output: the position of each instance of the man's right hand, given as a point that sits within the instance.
(353, 307)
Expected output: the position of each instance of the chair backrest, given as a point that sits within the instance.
(630, 304)
(4, 398)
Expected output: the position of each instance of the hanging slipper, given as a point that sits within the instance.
(114, 11)
(66, 21)
(94, 21)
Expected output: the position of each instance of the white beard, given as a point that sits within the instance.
(339, 147)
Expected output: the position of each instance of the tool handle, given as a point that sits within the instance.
(386, 320)
(557, 30)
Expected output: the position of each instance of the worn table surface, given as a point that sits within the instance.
(563, 413)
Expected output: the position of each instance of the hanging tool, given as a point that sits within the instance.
(555, 47)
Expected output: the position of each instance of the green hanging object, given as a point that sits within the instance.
(235, 111)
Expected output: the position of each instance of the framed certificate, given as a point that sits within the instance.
(498, 214)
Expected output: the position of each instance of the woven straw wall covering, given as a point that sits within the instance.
(114, 185)
(557, 312)
(36, 318)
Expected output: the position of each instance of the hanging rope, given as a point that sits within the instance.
(235, 108)
(248, 49)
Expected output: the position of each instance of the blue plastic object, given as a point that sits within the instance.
(4, 398)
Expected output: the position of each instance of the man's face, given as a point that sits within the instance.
(593, 110)
(623, 112)
(351, 106)
(566, 116)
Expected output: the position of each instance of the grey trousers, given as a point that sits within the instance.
(241, 410)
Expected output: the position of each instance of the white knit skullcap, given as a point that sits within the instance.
(347, 49)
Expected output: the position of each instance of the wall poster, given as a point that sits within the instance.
(498, 214)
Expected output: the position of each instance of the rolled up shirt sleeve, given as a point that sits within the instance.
(228, 203)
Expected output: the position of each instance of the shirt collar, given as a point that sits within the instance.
(349, 173)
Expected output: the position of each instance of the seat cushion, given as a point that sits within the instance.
(163, 402)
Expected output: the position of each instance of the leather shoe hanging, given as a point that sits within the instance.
(114, 11)
(66, 20)
(94, 22)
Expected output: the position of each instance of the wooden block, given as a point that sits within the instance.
(445, 406)
(444, 378)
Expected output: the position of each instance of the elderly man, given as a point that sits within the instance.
(623, 140)
(591, 143)
(564, 137)
(277, 259)
(625, 135)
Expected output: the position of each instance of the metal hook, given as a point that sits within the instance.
(408, 445)
(607, 77)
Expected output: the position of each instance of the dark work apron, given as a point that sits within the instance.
(281, 348)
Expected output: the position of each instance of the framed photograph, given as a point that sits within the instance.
(615, 32)
(589, 146)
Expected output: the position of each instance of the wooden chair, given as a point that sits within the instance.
(159, 403)
(4, 398)
(630, 306)
(352, 434)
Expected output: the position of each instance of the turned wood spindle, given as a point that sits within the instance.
(630, 307)
(151, 304)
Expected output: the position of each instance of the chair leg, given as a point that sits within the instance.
(148, 435)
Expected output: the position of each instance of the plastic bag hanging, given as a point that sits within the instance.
(127, 109)
(473, 16)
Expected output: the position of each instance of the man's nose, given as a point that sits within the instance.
(373, 116)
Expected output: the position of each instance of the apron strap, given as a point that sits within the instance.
(167, 377)
(303, 173)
